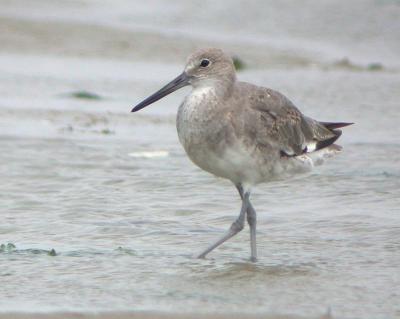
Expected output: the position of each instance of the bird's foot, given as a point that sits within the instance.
(253, 259)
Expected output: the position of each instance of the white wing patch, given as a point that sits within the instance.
(311, 146)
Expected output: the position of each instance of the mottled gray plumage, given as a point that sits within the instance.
(242, 132)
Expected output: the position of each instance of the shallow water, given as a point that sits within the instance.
(124, 209)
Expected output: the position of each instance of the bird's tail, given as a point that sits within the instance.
(333, 127)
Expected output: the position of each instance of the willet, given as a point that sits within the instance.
(242, 132)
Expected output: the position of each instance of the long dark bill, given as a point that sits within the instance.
(177, 83)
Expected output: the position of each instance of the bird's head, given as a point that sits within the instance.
(205, 67)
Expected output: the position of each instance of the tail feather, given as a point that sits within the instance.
(328, 134)
(330, 141)
(332, 126)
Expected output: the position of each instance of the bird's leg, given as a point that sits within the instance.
(236, 227)
(252, 221)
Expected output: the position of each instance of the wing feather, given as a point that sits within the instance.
(284, 127)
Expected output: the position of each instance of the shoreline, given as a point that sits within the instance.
(89, 40)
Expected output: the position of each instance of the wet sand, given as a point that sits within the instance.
(66, 38)
(149, 315)
(124, 209)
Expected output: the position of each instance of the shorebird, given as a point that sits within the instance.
(242, 132)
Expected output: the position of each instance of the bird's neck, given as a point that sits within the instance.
(202, 96)
(217, 89)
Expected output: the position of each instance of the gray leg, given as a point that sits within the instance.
(252, 221)
(236, 227)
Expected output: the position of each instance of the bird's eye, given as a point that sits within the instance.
(204, 63)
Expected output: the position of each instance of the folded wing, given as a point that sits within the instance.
(286, 129)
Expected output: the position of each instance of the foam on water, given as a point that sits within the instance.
(149, 154)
